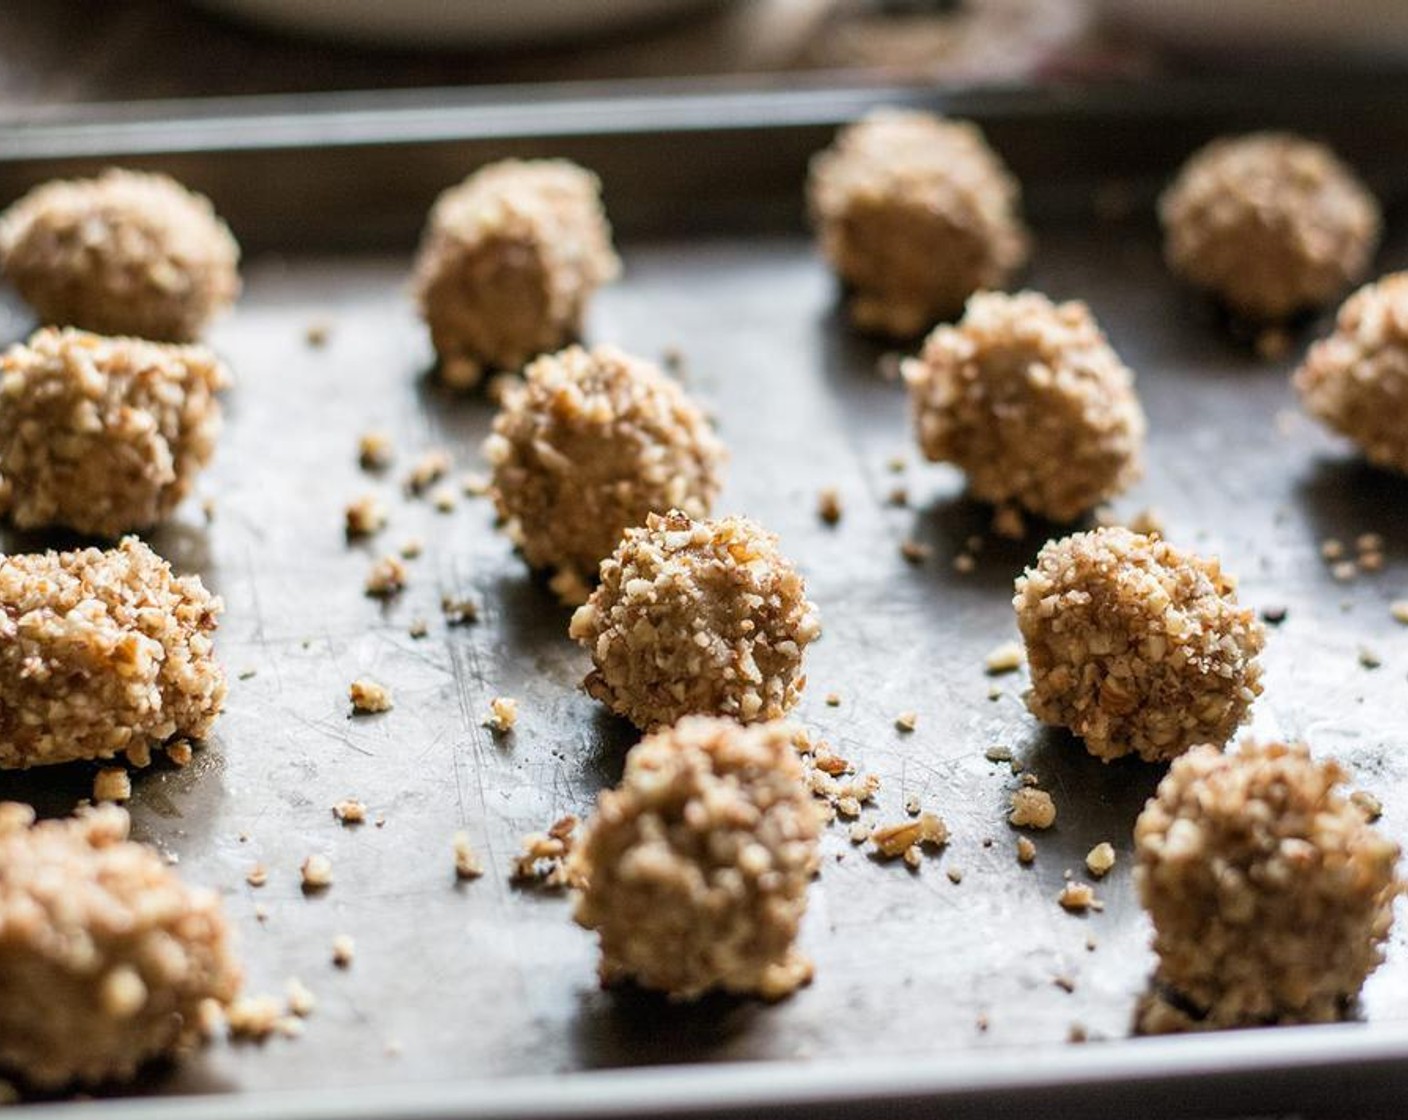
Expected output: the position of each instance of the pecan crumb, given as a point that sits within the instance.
(503, 714)
(828, 505)
(350, 811)
(367, 696)
(112, 784)
(1006, 658)
(467, 865)
(1100, 859)
(316, 873)
(1032, 808)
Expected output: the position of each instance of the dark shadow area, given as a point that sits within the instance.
(948, 525)
(531, 620)
(629, 1026)
(1342, 498)
(612, 738)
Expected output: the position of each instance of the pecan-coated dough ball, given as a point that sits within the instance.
(107, 960)
(1356, 380)
(1269, 223)
(103, 435)
(1270, 894)
(696, 618)
(1136, 646)
(102, 653)
(589, 445)
(915, 213)
(127, 253)
(694, 870)
(1027, 398)
(509, 259)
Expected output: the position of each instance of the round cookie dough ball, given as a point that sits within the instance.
(915, 213)
(1270, 895)
(102, 653)
(1135, 646)
(589, 445)
(1027, 398)
(696, 618)
(508, 261)
(1269, 223)
(107, 960)
(694, 870)
(103, 435)
(1356, 380)
(126, 253)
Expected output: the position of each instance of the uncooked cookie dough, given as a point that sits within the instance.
(102, 653)
(103, 435)
(1269, 223)
(1027, 398)
(696, 617)
(509, 260)
(915, 213)
(585, 449)
(107, 960)
(1136, 646)
(127, 253)
(1270, 894)
(1356, 380)
(694, 870)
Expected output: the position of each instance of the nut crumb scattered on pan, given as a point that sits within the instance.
(475, 485)
(366, 516)
(430, 468)
(375, 451)
(898, 496)
(112, 784)
(833, 699)
(467, 865)
(1026, 850)
(179, 753)
(1369, 658)
(1064, 982)
(1078, 897)
(926, 831)
(906, 721)
(1274, 616)
(316, 333)
(301, 1002)
(316, 872)
(964, 564)
(350, 811)
(1100, 859)
(418, 628)
(257, 875)
(412, 548)
(1032, 808)
(998, 753)
(1006, 658)
(1344, 571)
(444, 500)
(254, 1018)
(386, 578)
(1008, 522)
(955, 875)
(912, 805)
(543, 859)
(916, 552)
(503, 714)
(459, 610)
(368, 696)
(1076, 1034)
(344, 949)
(1368, 804)
(828, 505)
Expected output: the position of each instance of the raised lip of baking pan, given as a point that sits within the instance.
(1360, 1066)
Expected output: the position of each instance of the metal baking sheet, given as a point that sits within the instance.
(479, 999)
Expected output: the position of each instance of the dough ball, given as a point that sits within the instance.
(509, 259)
(107, 960)
(1269, 223)
(586, 448)
(1356, 380)
(103, 435)
(1136, 646)
(1270, 894)
(694, 870)
(101, 653)
(1027, 398)
(696, 618)
(915, 213)
(127, 253)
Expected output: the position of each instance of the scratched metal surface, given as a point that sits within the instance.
(456, 982)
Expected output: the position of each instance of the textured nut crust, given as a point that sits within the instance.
(1029, 400)
(106, 957)
(696, 618)
(915, 213)
(1356, 380)
(126, 253)
(586, 448)
(1270, 895)
(1269, 223)
(508, 262)
(694, 870)
(1136, 646)
(102, 652)
(103, 435)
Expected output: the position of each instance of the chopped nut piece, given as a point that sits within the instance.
(257, 875)
(459, 610)
(893, 840)
(375, 451)
(1344, 571)
(1006, 658)
(1274, 616)
(467, 865)
(998, 753)
(253, 1017)
(860, 833)
(1032, 808)
(955, 875)
(1331, 549)
(366, 516)
(179, 752)
(898, 496)
(387, 577)
(443, 499)
(964, 563)
(1369, 658)
(350, 811)
(1065, 983)
(316, 333)
(543, 861)
(418, 628)
(911, 805)
(301, 1001)
(1100, 859)
(916, 552)
(833, 699)
(1026, 850)
(1078, 897)
(1371, 561)
(112, 784)
(475, 485)
(344, 949)
(906, 721)
(411, 548)
(503, 714)
(1007, 522)
(429, 468)
(316, 872)
(828, 506)
(367, 696)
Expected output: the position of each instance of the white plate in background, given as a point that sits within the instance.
(451, 23)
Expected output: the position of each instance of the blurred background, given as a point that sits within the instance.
(56, 52)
